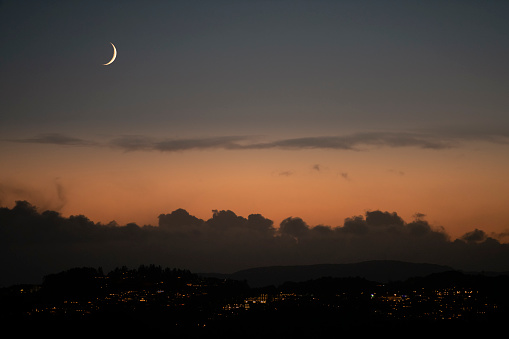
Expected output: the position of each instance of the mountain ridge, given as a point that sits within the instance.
(376, 270)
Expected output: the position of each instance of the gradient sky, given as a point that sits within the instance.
(321, 110)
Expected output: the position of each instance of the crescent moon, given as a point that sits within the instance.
(114, 55)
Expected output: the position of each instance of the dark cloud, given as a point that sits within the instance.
(179, 219)
(501, 236)
(353, 142)
(227, 142)
(57, 139)
(136, 143)
(294, 227)
(345, 176)
(34, 243)
(354, 225)
(286, 173)
(475, 236)
(350, 142)
(384, 219)
(356, 141)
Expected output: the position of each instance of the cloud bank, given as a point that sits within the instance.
(352, 142)
(33, 244)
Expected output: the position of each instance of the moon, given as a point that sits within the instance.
(114, 55)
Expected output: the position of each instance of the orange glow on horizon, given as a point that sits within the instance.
(321, 187)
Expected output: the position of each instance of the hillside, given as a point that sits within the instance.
(376, 270)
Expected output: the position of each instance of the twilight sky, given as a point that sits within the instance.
(321, 110)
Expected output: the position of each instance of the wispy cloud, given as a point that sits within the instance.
(57, 139)
(351, 142)
(286, 173)
(345, 176)
(356, 142)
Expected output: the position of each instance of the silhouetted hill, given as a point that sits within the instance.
(343, 299)
(376, 270)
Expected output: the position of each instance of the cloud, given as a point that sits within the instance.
(475, 236)
(57, 139)
(501, 236)
(136, 143)
(53, 197)
(35, 243)
(352, 142)
(294, 227)
(286, 173)
(357, 141)
(179, 219)
(345, 176)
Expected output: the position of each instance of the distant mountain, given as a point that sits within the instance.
(376, 270)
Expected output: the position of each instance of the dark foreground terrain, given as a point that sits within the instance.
(151, 300)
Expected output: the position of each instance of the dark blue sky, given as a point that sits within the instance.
(252, 67)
